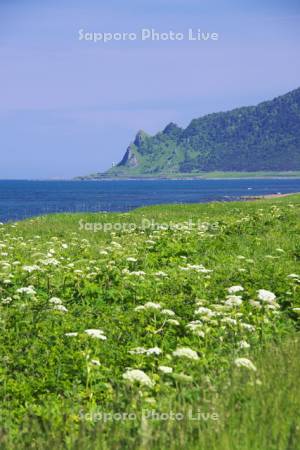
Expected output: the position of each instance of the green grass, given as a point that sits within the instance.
(52, 386)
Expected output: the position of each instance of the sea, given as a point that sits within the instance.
(20, 199)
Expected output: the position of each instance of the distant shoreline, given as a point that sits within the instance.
(215, 178)
(267, 196)
(200, 176)
(187, 179)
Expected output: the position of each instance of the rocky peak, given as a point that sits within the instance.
(172, 130)
(140, 138)
(129, 159)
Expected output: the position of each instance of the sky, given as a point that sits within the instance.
(71, 107)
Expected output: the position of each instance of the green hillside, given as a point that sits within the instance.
(263, 138)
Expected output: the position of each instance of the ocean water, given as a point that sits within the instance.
(23, 199)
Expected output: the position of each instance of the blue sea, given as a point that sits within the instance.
(23, 199)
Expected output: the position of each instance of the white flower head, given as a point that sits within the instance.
(186, 352)
(229, 320)
(140, 308)
(30, 269)
(255, 304)
(165, 369)
(137, 273)
(61, 308)
(26, 290)
(161, 274)
(136, 375)
(95, 362)
(131, 259)
(266, 296)
(148, 352)
(233, 300)
(245, 362)
(173, 322)
(55, 301)
(235, 289)
(247, 326)
(205, 311)
(151, 305)
(154, 351)
(167, 312)
(95, 333)
(244, 344)
(196, 327)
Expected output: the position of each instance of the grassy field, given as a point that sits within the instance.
(166, 327)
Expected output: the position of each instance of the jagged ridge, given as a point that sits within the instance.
(256, 138)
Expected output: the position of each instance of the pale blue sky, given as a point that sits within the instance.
(70, 107)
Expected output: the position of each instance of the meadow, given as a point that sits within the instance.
(165, 327)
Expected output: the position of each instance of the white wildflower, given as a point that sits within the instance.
(116, 244)
(233, 300)
(61, 308)
(165, 369)
(197, 267)
(95, 362)
(140, 308)
(244, 344)
(186, 352)
(273, 306)
(30, 269)
(55, 301)
(50, 262)
(173, 322)
(131, 259)
(154, 351)
(203, 311)
(255, 304)
(95, 333)
(145, 351)
(247, 326)
(244, 362)
(26, 290)
(161, 274)
(196, 327)
(136, 375)
(167, 312)
(137, 273)
(229, 320)
(266, 296)
(234, 289)
(151, 305)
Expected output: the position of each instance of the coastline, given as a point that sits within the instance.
(266, 197)
(200, 176)
(181, 179)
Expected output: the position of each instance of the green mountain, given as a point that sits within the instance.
(249, 139)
